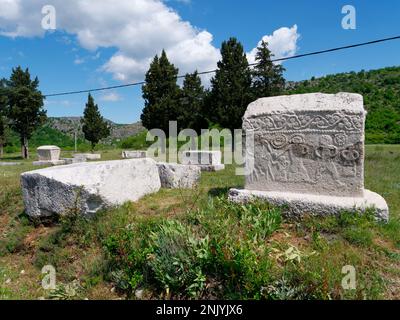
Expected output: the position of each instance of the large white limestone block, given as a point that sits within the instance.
(309, 143)
(88, 187)
(308, 154)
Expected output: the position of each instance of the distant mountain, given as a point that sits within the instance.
(68, 125)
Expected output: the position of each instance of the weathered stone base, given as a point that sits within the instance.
(297, 204)
(88, 156)
(210, 167)
(49, 163)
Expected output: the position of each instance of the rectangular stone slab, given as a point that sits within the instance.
(309, 143)
(135, 154)
(200, 157)
(88, 156)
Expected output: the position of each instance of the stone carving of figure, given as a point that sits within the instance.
(326, 152)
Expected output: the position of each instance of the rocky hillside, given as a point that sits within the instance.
(381, 91)
(68, 125)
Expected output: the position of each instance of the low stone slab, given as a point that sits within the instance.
(74, 160)
(49, 163)
(177, 176)
(88, 156)
(297, 204)
(48, 153)
(211, 168)
(7, 164)
(87, 187)
(206, 160)
(136, 154)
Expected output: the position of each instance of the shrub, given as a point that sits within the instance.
(218, 251)
(178, 257)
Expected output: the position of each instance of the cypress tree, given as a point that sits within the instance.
(191, 103)
(160, 93)
(94, 126)
(24, 106)
(231, 87)
(267, 77)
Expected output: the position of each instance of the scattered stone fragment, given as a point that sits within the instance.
(178, 176)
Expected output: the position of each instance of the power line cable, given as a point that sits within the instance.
(213, 71)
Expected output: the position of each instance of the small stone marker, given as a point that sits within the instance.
(136, 154)
(48, 156)
(206, 160)
(48, 153)
(308, 154)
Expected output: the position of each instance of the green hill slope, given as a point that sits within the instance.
(381, 91)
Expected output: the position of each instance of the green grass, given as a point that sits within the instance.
(184, 244)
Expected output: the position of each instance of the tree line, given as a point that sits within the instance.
(232, 88)
(22, 110)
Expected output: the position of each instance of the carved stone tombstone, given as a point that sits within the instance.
(308, 154)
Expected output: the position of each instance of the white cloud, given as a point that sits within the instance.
(282, 43)
(79, 61)
(138, 29)
(111, 97)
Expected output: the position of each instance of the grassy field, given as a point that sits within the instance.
(182, 244)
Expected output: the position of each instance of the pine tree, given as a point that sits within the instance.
(160, 94)
(94, 126)
(24, 106)
(191, 103)
(267, 77)
(231, 87)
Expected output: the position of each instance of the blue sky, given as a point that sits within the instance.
(97, 43)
